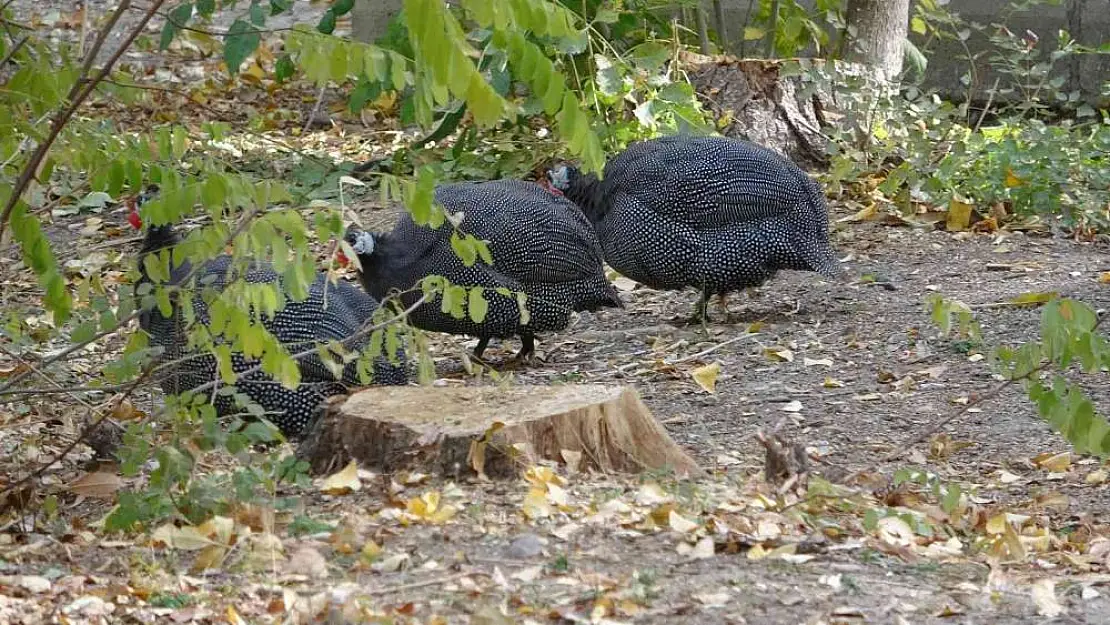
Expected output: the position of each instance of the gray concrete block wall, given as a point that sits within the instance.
(1089, 19)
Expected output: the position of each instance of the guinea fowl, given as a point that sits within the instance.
(712, 213)
(299, 325)
(541, 245)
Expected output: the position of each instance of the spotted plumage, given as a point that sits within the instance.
(332, 312)
(712, 213)
(541, 245)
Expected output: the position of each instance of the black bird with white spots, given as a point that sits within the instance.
(541, 245)
(712, 213)
(332, 312)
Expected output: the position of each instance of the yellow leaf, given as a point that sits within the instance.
(706, 377)
(680, 523)
(209, 558)
(1096, 477)
(779, 354)
(343, 482)
(865, 214)
(233, 617)
(542, 476)
(186, 538)
(832, 383)
(100, 484)
(1104, 277)
(1033, 298)
(1012, 180)
(1054, 463)
(757, 552)
(371, 551)
(535, 505)
(959, 215)
(218, 528)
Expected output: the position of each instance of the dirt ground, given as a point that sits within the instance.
(850, 370)
(869, 333)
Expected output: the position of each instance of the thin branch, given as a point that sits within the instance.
(46, 377)
(308, 352)
(63, 118)
(101, 37)
(935, 427)
(15, 48)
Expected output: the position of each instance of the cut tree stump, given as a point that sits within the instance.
(782, 104)
(452, 431)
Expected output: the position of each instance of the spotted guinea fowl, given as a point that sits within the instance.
(332, 312)
(712, 213)
(541, 245)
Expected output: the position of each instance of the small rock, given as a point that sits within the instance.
(525, 546)
(308, 561)
(90, 607)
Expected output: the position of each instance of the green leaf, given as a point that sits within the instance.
(365, 91)
(454, 298)
(84, 333)
(342, 7)
(463, 247)
(478, 307)
(258, 15)
(241, 41)
(327, 22)
(177, 18)
(278, 7)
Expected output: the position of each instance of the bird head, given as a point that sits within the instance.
(562, 177)
(134, 203)
(360, 242)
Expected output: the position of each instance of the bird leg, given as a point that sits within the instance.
(527, 353)
(479, 349)
(701, 312)
(722, 304)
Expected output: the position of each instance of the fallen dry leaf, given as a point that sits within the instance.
(100, 484)
(1044, 595)
(343, 482)
(706, 377)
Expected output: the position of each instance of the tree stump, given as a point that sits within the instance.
(781, 104)
(492, 431)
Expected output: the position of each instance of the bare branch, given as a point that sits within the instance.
(101, 37)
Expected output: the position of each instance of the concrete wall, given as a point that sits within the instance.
(1086, 20)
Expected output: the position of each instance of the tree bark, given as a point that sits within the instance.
(370, 18)
(876, 31)
(492, 431)
(703, 30)
(722, 28)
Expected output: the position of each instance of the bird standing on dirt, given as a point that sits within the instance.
(540, 243)
(712, 213)
(332, 312)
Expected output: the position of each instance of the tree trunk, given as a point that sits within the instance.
(492, 431)
(722, 28)
(876, 32)
(703, 30)
(771, 103)
(370, 18)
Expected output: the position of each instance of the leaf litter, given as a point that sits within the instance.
(1021, 532)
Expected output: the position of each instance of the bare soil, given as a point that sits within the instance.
(865, 371)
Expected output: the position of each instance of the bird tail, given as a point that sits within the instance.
(605, 297)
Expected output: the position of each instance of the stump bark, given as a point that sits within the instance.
(493, 431)
(781, 104)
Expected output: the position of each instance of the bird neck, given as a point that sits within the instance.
(157, 238)
(378, 264)
(585, 191)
